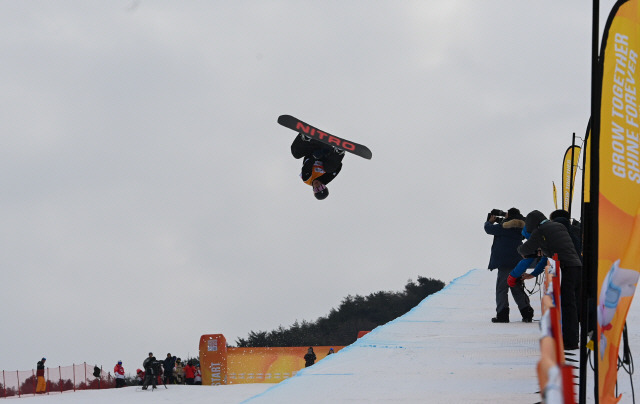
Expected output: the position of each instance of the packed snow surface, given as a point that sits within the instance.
(446, 350)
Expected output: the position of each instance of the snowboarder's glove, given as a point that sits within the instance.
(511, 281)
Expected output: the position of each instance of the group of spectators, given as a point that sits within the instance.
(543, 238)
(169, 371)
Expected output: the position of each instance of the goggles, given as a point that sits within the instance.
(319, 188)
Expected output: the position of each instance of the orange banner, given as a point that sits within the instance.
(221, 364)
(213, 359)
(269, 365)
(618, 184)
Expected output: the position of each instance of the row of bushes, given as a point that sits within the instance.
(341, 326)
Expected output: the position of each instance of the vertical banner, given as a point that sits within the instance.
(213, 359)
(617, 178)
(555, 195)
(569, 168)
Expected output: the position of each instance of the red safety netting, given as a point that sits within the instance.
(58, 379)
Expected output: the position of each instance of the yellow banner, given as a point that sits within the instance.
(619, 187)
(221, 364)
(569, 168)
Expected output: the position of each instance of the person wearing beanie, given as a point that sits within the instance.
(118, 373)
(575, 231)
(309, 357)
(150, 371)
(320, 163)
(504, 257)
(550, 238)
(169, 363)
(41, 386)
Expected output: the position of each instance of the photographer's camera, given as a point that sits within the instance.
(499, 214)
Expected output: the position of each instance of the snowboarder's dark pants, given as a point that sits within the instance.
(119, 383)
(502, 292)
(569, 294)
(189, 381)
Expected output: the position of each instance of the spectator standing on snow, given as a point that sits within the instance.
(198, 379)
(554, 238)
(507, 238)
(149, 371)
(140, 377)
(189, 373)
(118, 372)
(563, 217)
(309, 358)
(41, 387)
(179, 372)
(168, 365)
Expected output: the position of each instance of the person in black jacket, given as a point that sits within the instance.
(168, 365)
(563, 217)
(553, 238)
(150, 370)
(321, 163)
(41, 386)
(309, 358)
(507, 238)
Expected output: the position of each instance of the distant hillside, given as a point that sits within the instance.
(341, 326)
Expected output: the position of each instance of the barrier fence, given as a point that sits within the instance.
(555, 376)
(58, 380)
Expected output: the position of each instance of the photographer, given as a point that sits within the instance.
(506, 228)
(152, 371)
(552, 238)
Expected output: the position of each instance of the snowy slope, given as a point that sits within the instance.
(446, 350)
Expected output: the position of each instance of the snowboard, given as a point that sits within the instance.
(343, 144)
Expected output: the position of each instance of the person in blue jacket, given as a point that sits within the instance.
(504, 257)
(562, 217)
(519, 272)
(552, 238)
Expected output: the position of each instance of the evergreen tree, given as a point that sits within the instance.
(341, 326)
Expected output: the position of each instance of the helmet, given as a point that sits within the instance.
(321, 192)
(119, 362)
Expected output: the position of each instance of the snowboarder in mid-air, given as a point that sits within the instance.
(321, 163)
(321, 153)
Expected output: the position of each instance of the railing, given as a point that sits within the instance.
(555, 376)
(59, 379)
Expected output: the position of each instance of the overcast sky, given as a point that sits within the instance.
(150, 197)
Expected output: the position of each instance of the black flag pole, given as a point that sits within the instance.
(590, 222)
(573, 162)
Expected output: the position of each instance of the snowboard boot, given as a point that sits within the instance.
(501, 317)
(527, 314)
